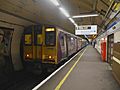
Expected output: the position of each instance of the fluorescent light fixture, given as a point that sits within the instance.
(55, 2)
(72, 20)
(81, 16)
(64, 12)
(75, 25)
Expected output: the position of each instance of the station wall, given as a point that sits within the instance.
(17, 24)
(117, 37)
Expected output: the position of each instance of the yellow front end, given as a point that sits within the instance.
(49, 55)
(28, 53)
(32, 46)
(49, 48)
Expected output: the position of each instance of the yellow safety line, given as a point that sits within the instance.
(66, 76)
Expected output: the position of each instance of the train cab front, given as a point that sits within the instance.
(50, 46)
(32, 46)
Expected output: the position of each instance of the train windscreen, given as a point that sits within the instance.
(50, 37)
(28, 36)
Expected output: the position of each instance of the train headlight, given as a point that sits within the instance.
(27, 55)
(50, 57)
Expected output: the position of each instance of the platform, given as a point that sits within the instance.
(89, 73)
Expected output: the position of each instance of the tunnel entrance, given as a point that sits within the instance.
(5, 50)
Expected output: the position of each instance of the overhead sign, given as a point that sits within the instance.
(86, 30)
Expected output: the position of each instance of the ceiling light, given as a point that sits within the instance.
(64, 12)
(75, 25)
(55, 2)
(72, 20)
(81, 16)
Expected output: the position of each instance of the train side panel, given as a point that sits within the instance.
(76, 46)
(62, 46)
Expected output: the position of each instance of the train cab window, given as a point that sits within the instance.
(28, 36)
(28, 39)
(50, 37)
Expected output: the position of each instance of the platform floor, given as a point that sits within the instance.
(90, 73)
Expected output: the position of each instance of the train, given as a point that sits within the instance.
(47, 46)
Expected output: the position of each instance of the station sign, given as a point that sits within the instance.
(86, 30)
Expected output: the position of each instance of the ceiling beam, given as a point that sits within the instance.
(105, 17)
(104, 3)
(94, 9)
(95, 5)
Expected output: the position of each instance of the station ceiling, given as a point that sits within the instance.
(44, 12)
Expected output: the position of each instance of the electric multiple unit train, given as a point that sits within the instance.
(49, 45)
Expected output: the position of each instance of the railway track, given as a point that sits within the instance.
(22, 80)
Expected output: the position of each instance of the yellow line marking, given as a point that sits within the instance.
(66, 76)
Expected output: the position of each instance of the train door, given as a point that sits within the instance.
(28, 44)
(6, 65)
(65, 44)
(110, 42)
(38, 42)
(76, 47)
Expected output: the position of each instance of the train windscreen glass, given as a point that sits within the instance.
(28, 36)
(28, 39)
(50, 36)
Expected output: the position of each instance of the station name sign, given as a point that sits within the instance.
(86, 30)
